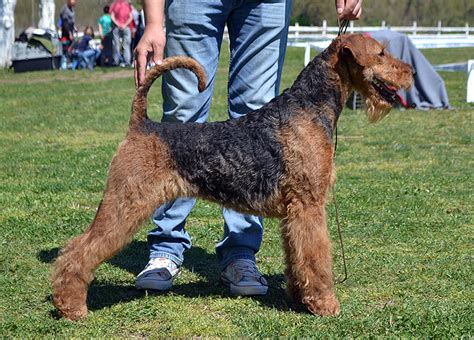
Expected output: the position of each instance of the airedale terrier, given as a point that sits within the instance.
(275, 162)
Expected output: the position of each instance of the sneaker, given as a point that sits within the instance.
(243, 278)
(158, 274)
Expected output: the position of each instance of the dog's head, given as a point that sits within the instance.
(374, 73)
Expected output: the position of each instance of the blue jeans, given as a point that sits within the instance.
(126, 36)
(85, 59)
(258, 34)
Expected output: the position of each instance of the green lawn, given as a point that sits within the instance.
(405, 194)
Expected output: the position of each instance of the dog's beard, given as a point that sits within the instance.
(376, 108)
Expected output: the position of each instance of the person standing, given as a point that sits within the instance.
(68, 27)
(121, 15)
(105, 31)
(105, 23)
(258, 36)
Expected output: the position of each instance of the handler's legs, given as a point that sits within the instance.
(196, 32)
(200, 37)
(258, 35)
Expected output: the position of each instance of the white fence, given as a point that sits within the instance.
(319, 37)
(298, 32)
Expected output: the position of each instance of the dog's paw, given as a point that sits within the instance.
(324, 306)
(74, 313)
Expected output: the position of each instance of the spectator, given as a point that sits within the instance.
(105, 23)
(105, 31)
(121, 15)
(68, 27)
(139, 19)
(85, 52)
(133, 26)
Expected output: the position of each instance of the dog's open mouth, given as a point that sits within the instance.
(386, 91)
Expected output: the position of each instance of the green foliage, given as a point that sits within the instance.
(404, 192)
(306, 12)
(394, 12)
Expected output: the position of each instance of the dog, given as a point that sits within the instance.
(276, 161)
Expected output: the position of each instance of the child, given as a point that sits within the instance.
(85, 52)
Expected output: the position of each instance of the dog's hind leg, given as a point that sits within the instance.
(308, 259)
(133, 191)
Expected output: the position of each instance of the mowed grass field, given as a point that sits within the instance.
(405, 196)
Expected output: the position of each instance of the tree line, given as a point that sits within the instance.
(305, 12)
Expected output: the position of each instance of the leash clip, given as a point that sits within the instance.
(342, 26)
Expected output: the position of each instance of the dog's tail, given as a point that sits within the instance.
(139, 105)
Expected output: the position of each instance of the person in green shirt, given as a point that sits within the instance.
(105, 23)
(105, 31)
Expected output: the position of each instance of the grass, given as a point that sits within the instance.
(404, 192)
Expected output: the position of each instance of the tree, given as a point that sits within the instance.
(47, 14)
(7, 31)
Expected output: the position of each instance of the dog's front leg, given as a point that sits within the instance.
(308, 258)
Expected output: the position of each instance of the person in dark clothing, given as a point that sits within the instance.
(84, 52)
(68, 27)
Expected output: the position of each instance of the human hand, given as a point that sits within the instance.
(150, 47)
(349, 9)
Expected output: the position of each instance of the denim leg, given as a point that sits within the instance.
(116, 45)
(75, 61)
(196, 32)
(126, 42)
(89, 57)
(258, 35)
(169, 239)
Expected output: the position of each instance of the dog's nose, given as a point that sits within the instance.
(412, 70)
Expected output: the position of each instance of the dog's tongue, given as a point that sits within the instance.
(392, 88)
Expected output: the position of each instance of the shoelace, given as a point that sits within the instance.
(246, 268)
(159, 263)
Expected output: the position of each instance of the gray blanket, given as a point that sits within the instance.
(428, 90)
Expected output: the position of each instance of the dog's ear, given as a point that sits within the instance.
(354, 47)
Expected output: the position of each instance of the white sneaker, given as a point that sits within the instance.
(158, 274)
(243, 278)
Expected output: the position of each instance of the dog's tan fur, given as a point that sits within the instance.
(144, 174)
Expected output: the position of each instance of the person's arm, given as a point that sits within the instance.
(129, 20)
(112, 16)
(349, 9)
(101, 31)
(152, 43)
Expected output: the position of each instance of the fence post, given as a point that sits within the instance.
(307, 54)
(470, 81)
(383, 24)
(439, 27)
(414, 28)
(351, 26)
(297, 30)
(325, 27)
(467, 29)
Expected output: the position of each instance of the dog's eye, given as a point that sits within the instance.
(382, 53)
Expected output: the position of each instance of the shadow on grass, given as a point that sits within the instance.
(134, 257)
